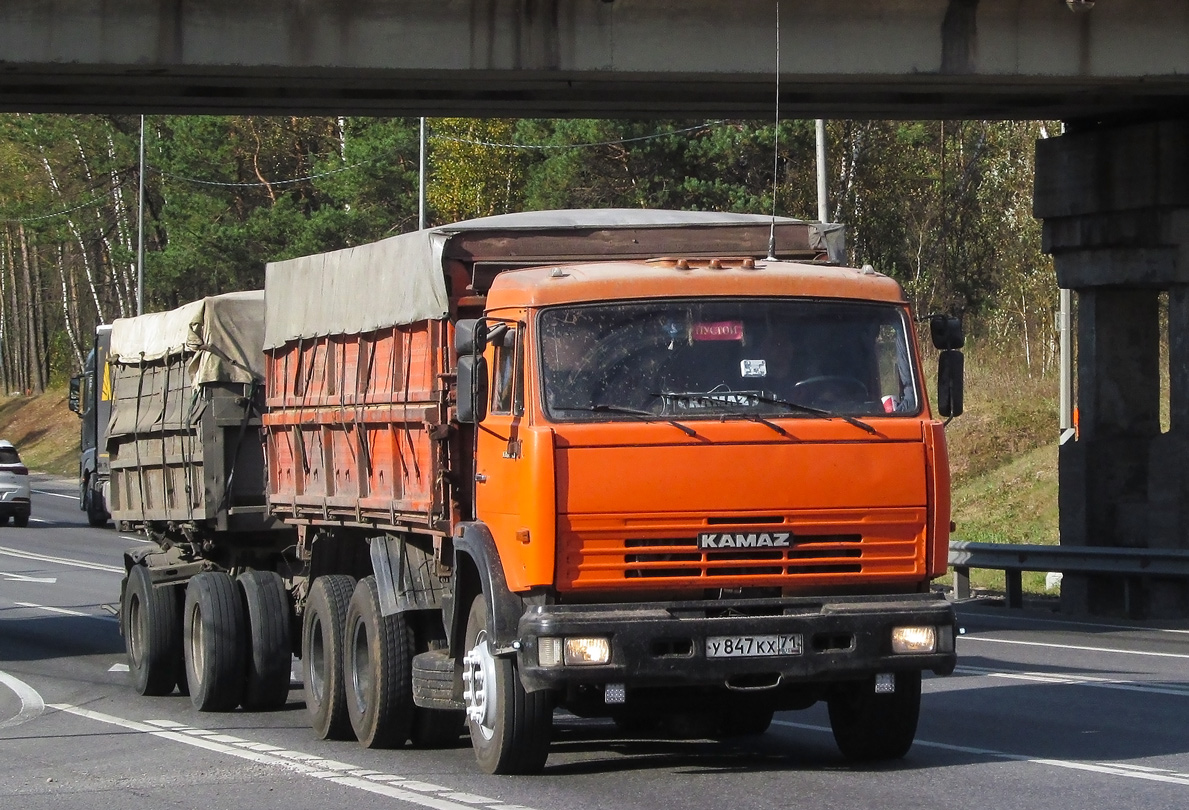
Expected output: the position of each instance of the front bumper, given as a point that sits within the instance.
(664, 644)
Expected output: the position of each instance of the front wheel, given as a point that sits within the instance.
(509, 727)
(868, 726)
(97, 516)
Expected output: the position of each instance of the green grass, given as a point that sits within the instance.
(1003, 454)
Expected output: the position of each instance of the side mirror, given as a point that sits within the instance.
(470, 336)
(946, 332)
(472, 389)
(950, 368)
(74, 400)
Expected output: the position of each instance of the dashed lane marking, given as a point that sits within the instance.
(410, 791)
(29, 555)
(64, 611)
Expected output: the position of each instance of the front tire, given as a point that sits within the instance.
(377, 668)
(151, 622)
(215, 633)
(97, 515)
(269, 659)
(869, 727)
(509, 727)
(322, 640)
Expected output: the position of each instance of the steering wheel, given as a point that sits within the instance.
(828, 389)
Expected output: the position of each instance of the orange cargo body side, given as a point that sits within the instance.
(349, 427)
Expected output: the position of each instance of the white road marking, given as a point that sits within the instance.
(31, 703)
(1077, 680)
(435, 797)
(23, 578)
(28, 555)
(1107, 768)
(1069, 623)
(1074, 647)
(118, 668)
(56, 494)
(39, 520)
(49, 609)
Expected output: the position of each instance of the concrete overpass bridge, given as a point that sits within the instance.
(1113, 191)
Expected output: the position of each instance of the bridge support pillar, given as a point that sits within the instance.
(1115, 205)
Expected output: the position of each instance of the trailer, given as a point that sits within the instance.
(187, 471)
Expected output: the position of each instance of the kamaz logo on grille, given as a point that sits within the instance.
(714, 540)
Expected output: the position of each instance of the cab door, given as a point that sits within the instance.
(499, 474)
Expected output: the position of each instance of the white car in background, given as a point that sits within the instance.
(14, 486)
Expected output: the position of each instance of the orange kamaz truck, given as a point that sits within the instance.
(675, 469)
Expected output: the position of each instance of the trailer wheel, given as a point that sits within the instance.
(323, 629)
(269, 660)
(509, 727)
(378, 670)
(152, 624)
(215, 635)
(868, 726)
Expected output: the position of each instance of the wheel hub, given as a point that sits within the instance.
(478, 686)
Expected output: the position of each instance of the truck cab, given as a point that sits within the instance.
(712, 488)
(90, 398)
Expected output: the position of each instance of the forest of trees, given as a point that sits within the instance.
(945, 207)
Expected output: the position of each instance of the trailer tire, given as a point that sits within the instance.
(269, 659)
(509, 727)
(378, 670)
(870, 727)
(151, 621)
(214, 633)
(323, 629)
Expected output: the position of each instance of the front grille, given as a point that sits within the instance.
(809, 555)
(822, 550)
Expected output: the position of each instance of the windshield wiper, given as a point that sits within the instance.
(647, 416)
(797, 406)
(713, 400)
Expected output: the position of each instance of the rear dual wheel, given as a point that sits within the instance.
(215, 633)
(322, 642)
(378, 678)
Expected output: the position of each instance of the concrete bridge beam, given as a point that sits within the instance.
(1115, 204)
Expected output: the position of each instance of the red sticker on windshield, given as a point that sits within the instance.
(719, 330)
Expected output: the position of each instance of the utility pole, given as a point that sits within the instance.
(421, 190)
(140, 230)
(823, 205)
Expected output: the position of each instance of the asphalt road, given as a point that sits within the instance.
(1042, 713)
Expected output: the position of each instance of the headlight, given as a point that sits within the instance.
(587, 651)
(914, 639)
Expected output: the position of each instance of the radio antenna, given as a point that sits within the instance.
(775, 145)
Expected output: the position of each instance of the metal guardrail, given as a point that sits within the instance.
(1014, 559)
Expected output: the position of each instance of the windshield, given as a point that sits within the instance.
(724, 357)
